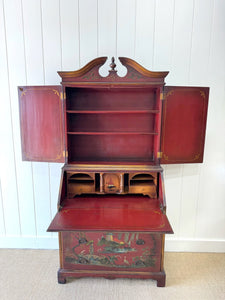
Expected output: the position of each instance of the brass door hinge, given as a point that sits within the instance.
(65, 153)
(161, 96)
(159, 154)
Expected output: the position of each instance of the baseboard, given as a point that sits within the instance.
(171, 245)
(29, 242)
(194, 245)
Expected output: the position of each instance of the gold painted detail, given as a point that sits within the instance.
(169, 93)
(196, 156)
(202, 93)
(161, 96)
(23, 93)
(55, 92)
(166, 157)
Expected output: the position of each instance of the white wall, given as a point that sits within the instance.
(186, 37)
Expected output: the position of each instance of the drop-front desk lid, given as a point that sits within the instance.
(111, 213)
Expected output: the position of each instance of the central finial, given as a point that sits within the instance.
(112, 65)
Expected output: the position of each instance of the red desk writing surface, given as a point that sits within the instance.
(183, 124)
(41, 120)
(112, 213)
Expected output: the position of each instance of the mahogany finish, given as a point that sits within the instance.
(111, 214)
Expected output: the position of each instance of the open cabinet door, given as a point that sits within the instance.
(183, 124)
(41, 122)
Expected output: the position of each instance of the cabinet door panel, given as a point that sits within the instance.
(41, 120)
(183, 124)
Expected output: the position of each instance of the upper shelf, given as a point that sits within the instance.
(152, 111)
(135, 73)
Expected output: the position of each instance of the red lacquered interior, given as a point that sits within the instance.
(111, 212)
(111, 148)
(112, 124)
(111, 98)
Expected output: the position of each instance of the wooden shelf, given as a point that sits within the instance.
(141, 182)
(80, 178)
(110, 133)
(141, 111)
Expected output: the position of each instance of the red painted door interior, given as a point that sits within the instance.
(41, 120)
(183, 124)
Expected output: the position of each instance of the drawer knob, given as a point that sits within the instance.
(140, 242)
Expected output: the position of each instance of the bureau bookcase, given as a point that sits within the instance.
(113, 133)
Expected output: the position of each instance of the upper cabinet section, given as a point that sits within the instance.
(41, 120)
(113, 119)
(183, 124)
(89, 74)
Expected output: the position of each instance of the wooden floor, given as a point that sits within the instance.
(31, 274)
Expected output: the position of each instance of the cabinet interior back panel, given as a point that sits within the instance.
(110, 147)
(110, 99)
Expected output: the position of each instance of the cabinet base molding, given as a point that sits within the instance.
(160, 277)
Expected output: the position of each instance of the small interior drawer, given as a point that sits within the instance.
(112, 183)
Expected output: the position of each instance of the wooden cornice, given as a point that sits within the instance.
(130, 62)
(88, 67)
(90, 73)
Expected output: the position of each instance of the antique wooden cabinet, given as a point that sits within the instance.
(112, 133)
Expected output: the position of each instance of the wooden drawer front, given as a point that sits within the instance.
(80, 188)
(145, 189)
(101, 250)
(112, 183)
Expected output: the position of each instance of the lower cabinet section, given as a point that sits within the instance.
(111, 255)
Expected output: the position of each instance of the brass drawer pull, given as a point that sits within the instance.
(111, 186)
